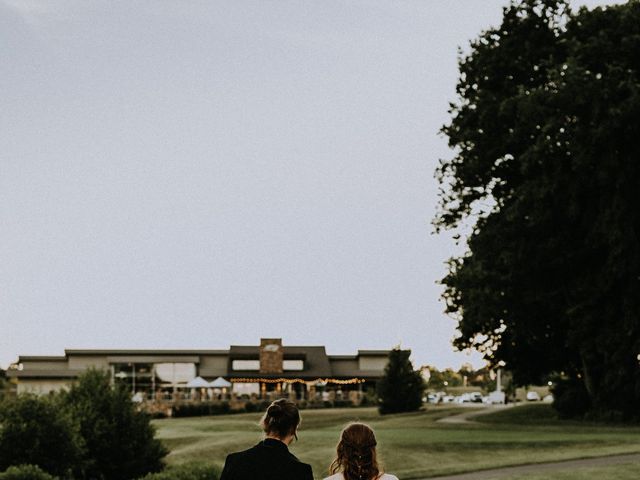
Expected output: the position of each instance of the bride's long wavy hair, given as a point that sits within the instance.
(356, 454)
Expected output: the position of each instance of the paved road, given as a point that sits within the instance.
(544, 467)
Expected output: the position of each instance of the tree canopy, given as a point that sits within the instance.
(34, 430)
(546, 172)
(119, 439)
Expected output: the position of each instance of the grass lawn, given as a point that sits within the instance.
(411, 445)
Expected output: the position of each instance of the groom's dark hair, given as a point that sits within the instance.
(281, 419)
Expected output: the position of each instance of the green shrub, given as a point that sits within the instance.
(187, 471)
(37, 431)
(201, 409)
(119, 439)
(25, 472)
(251, 407)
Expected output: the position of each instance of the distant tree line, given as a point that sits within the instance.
(466, 376)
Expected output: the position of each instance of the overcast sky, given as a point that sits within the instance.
(200, 174)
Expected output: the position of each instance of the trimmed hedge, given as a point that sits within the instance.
(26, 472)
(186, 471)
(223, 408)
(201, 409)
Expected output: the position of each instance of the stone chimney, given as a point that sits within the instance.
(271, 355)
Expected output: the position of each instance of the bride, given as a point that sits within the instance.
(356, 456)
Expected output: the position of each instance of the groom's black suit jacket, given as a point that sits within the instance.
(268, 460)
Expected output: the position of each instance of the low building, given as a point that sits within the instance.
(301, 372)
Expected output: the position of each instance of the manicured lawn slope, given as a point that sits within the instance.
(411, 445)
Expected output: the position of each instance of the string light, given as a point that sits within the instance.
(351, 381)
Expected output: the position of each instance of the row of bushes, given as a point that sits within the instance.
(92, 431)
(189, 471)
(222, 408)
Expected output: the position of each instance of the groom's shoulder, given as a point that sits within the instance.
(302, 468)
(299, 463)
(235, 456)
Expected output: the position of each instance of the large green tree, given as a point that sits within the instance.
(545, 180)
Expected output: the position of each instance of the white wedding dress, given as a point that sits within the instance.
(384, 476)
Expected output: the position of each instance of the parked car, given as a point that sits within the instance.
(434, 397)
(533, 397)
(473, 397)
(464, 398)
(496, 398)
(476, 397)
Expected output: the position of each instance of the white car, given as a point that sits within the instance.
(533, 397)
(476, 397)
(464, 398)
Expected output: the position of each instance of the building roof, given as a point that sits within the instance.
(44, 373)
(374, 352)
(317, 364)
(41, 358)
(342, 357)
(145, 352)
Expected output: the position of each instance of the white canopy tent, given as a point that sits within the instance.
(198, 382)
(220, 383)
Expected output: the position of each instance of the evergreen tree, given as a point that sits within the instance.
(400, 388)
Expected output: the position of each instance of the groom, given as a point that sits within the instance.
(270, 459)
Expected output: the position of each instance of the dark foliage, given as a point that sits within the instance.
(401, 387)
(201, 409)
(546, 168)
(25, 472)
(4, 384)
(571, 398)
(119, 439)
(35, 431)
(187, 471)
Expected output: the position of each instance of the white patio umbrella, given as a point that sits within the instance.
(220, 383)
(198, 382)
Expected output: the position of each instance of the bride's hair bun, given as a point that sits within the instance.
(274, 410)
(281, 418)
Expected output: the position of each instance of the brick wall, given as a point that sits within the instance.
(271, 355)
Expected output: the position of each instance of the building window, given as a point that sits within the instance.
(247, 389)
(289, 365)
(245, 365)
(175, 373)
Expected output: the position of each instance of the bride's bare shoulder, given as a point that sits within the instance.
(337, 476)
(387, 476)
